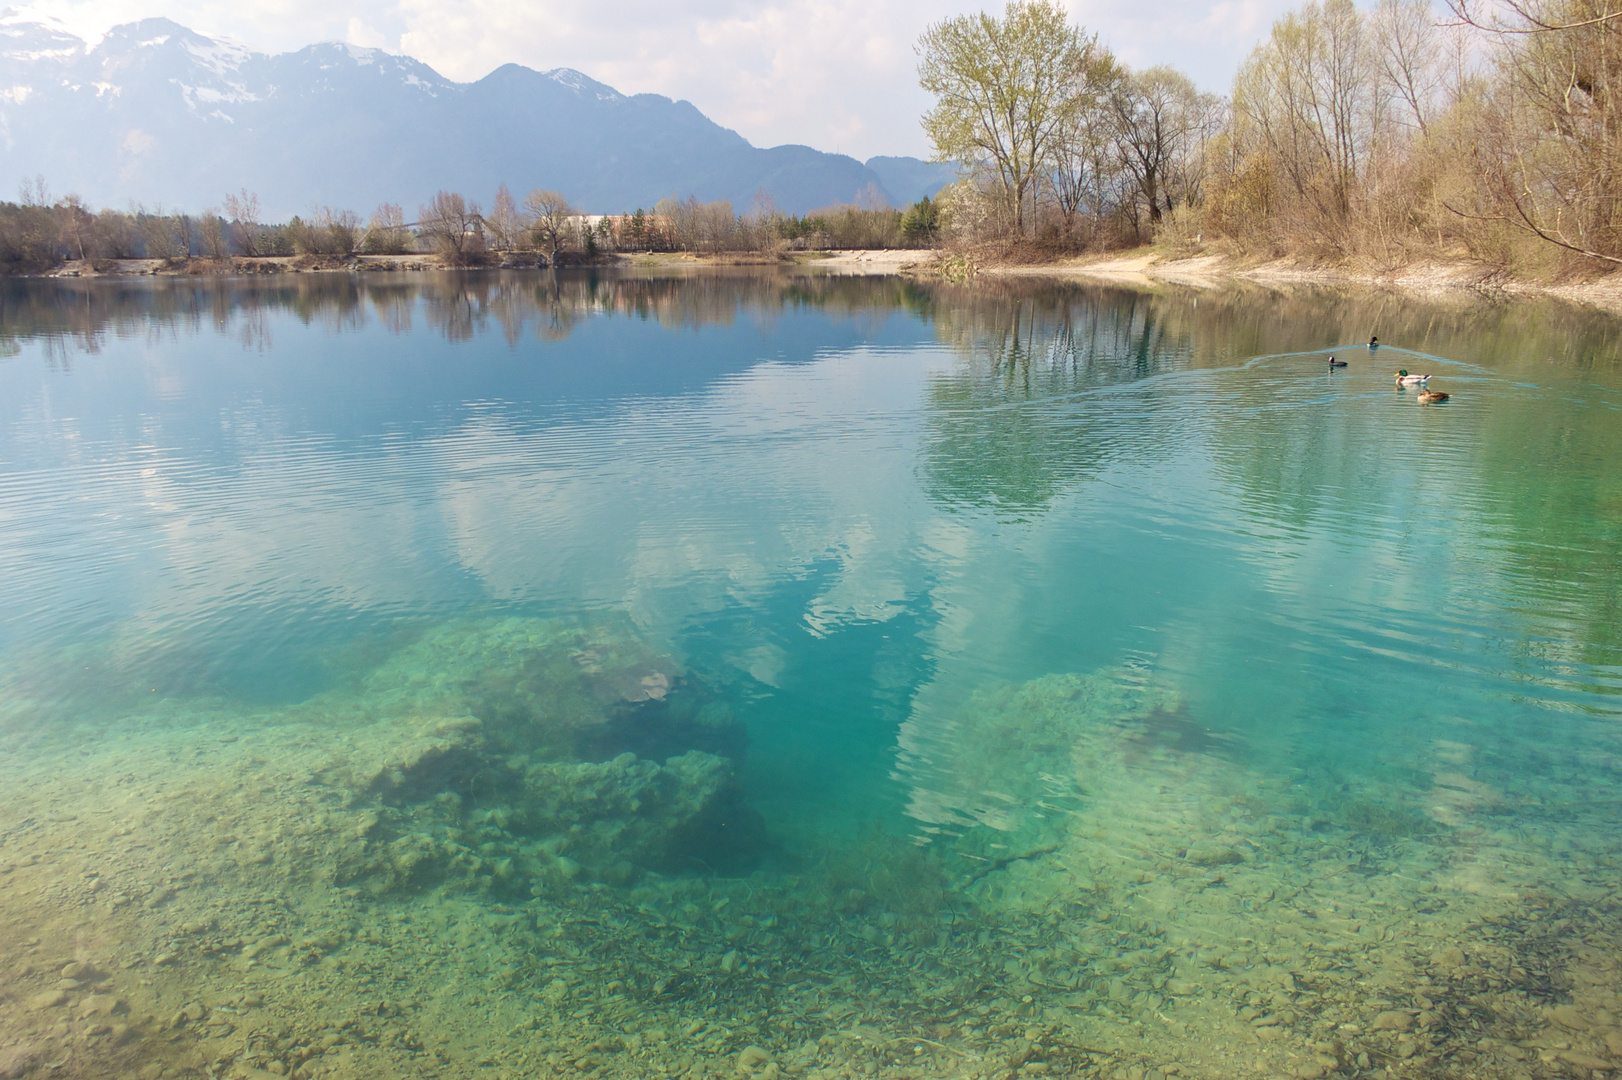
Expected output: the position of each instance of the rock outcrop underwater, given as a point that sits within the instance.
(521, 755)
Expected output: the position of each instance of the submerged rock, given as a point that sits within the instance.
(1207, 853)
(540, 686)
(1004, 773)
(656, 816)
(552, 752)
(601, 821)
(1448, 957)
(437, 758)
(1392, 1020)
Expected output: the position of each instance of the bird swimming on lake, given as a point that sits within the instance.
(1374, 342)
(1405, 379)
(1431, 397)
(1336, 363)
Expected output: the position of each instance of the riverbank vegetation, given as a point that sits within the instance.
(38, 232)
(1383, 136)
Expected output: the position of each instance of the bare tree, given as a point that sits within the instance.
(165, 236)
(1159, 119)
(453, 226)
(29, 231)
(549, 214)
(116, 236)
(1553, 166)
(1527, 17)
(34, 193)
(243, 211)
(211, 233)
(1081, 165)
(339, 230)
(75, 225)
(1304, 101)
(1408, 49)
(387, 234)
(505, 223)
(305, 236)
(765, 223)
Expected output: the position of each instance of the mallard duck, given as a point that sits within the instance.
(1336, 363)
(1431, 397)
(1405, 379)
(1374, 342)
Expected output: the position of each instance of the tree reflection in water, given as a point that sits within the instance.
(1050, 384)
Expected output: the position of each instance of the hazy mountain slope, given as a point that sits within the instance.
(155, 113)
(907, 179)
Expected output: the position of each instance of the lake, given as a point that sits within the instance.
(745, 672)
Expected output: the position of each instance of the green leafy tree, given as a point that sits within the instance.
(1005, 91)
(920, 225)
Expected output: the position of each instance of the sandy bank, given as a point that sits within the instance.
(851, 262)
(1436, 278)
(869, 262)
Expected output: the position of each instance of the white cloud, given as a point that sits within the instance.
(834, 74)
(359, 33)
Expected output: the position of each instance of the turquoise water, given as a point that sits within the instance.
(508, 675)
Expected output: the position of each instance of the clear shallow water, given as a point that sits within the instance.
(1024, 669)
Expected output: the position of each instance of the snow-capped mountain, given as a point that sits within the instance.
(157, 114)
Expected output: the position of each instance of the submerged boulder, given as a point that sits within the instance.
(551, 752)
(439, 756)
(665, 817)
(540, 686)
(561, 822)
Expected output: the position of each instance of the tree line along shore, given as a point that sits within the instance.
(39, 234)
(1483, 131)
(1370, 138)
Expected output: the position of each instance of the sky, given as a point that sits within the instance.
(839, 75)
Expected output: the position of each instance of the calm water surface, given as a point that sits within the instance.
(516, 675)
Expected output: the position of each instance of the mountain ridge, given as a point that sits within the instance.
(157, 114)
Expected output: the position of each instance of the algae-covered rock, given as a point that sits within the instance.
(438, 756)
(626, 787)
(541, 685)
(633, 809)
(514, 753)
(1209, 853)
(563, 821)
(552, 689)
(1448, 957)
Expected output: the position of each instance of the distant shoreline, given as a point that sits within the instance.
(1142, 268)
(875, 262)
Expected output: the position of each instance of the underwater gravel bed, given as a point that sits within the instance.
(195, 902)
